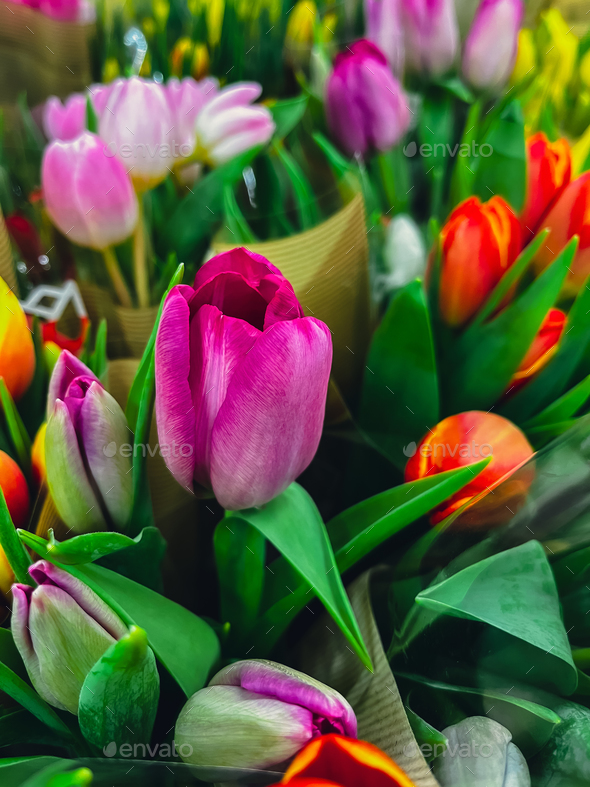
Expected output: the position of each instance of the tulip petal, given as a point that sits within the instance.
(269, 426)
(175, 412)
(284, 305)
(253, 267)
(230, 97)
(227, 149)
(231, 293)
(103, 427)
(67, 479)
(66, 369)
(218, 343)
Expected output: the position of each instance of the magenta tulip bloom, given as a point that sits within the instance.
(229, 125)
(186, 100)
(383, 26)
(366, 107)
(64, 10)
(431, 35)
(88, 195)
(492, 43)
(64, 121)
(241, 381)
(257, 714)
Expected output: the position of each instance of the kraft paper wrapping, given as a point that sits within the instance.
(375, 698)
(7, 269)
(41, 55)
(575, 13)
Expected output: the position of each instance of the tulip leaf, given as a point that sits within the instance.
(513, 592)
(85, 548)
(119, 696)
(98, 361)
(91, 118)
(16, 554)
(16, 429)
(400, 398)
(563, 408)
(286, 114)
(426, 734)
(340, 165)
(182, 642)
(539, 436)
(18, 727)
(555, 377)
(26, 696)
(436, 130)
(292, 523)
(240, 230)
(485, 358)
(304, 196)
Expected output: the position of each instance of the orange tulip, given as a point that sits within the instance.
(541, 350)
(336, 761)
(479, 242)
(464, 439)
(549, 167)
(569, 216)
(15, 489)
(17, 352)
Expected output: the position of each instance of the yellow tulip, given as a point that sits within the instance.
(214, 10)
(558, 49)
(526, 58)
(38, 455)
(301, 23)
(17, 352)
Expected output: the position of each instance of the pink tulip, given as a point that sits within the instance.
(383, 25)
(490, 48)
(241, 381)
(365, 105)
(137, 127)
(64, 121)
(64, 10)
(431, 35)
(229, 125)
(88, 195)
(186, 100)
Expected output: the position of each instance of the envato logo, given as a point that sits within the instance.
(471, 450)
(164, 450)
(143, 750)
(137, 150)
(464, 149)
(429, 750)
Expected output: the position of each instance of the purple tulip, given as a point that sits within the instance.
(87, 450)
(241, 381)
(492, 43)
(431, 35)
(366, 107)
(383, 26)
(257, 714)
(186, 100)
(229, 125)
(88, 194)
(61, 629)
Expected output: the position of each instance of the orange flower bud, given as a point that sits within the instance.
(38, 455)
(17, 352)
(479, 242)
(337, 761)
(541, 350)
(549, 169)
(462, 440)
(569, 216)
(16, 492)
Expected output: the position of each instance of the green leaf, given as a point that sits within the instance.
(9, 654)
(26, 696)
(426, 734)
(15, 771)
(554, 378)
(286, 114)
(32, 404)
(98, 361)
(486, 357)
(15, 552)
(119, 696)
(19, 727)
(513, 592)
(91, 118)
(236, 223)
(436, 129)
(564, 761)
(340, 165)
(16, 429)
(142, 514)
(539, 436)
(457, 88)
(304, 196)
(400, 398)
(81, 549)
(466, 166)
(182, 642)
(563, 408)
(292, 523)
(503, 172)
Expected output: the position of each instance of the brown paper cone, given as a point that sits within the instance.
(40, 55)
(7, 269)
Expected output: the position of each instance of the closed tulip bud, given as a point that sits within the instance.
(61, 629)
(241, 381)
(64, 121)
(431, 35)
(549, 169)
(87, 193)
(229, 125)
(463, 439)
(300, 31)
(568, 216)
(139, 130)
(492, 44)
(366, 108)
(16, 492)
(186, 99)
(383, 25)
(88, 473)
(479, 242)
(17, 352)
(541, 350)
(256, 714)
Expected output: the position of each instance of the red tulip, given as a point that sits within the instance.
(336, 761)
(568, 216)
(25, 235)
(541, 350)
(549, 167)
(14, 487)
(480, 241)
(462, 440)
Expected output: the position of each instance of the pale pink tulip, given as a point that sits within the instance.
(490, 48)
(383, 26)
(431, 35)
(186, 100)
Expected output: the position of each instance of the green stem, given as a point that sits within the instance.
(116, 277)
(139, 260)
(463, 173)
(15, 552)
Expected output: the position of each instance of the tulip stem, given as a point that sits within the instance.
(14, 550)
(116, 276)
(139, 261)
